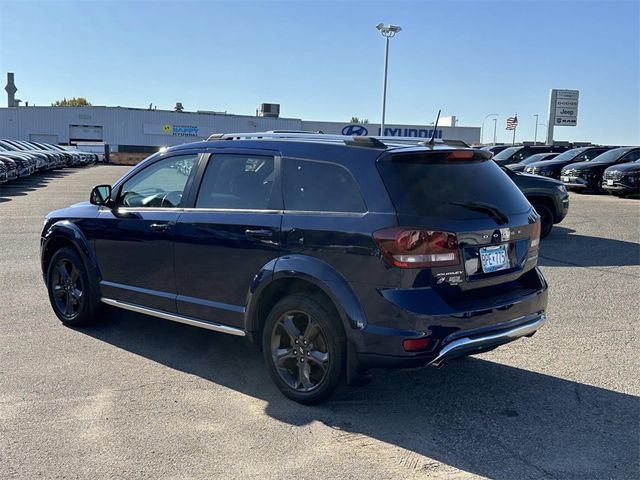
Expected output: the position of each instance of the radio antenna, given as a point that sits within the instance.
(433, 137)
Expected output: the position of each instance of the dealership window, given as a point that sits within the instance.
(160, 185)
(237, 182)
(320, 187)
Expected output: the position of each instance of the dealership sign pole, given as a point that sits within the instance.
(563, 110)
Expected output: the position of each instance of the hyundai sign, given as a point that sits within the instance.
(361, 130)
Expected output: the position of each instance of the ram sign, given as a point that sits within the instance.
(564, 107)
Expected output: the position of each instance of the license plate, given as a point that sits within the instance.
(494, 258)
(609, 182)
(566, 179)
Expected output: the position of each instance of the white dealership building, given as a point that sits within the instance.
(145, 130)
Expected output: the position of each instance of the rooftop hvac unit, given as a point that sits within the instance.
(270, 110)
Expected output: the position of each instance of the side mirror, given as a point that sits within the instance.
(101, 195)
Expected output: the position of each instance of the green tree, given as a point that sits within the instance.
(72, 102)
(357, 120)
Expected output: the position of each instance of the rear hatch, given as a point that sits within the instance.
(463, 224)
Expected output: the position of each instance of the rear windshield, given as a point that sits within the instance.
(418, 185)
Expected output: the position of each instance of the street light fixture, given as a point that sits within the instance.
(482, 125)
(387, 31)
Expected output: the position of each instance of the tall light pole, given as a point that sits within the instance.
(482, 125)
(387, 31)
(495, 123)
(535, 135)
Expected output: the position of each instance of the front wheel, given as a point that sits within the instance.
(70, 291)
(546, 220)
(304, 349)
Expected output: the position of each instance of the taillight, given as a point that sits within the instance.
(417, 248)
(535, 237)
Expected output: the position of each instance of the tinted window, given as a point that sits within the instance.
(630, 157)
(320, 187)
(237, 181)
(421, 186)
(590, 154)
(507, 153)
(159, 185)
(611, 156)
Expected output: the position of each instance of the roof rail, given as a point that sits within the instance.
(362, 141)
(295, 135)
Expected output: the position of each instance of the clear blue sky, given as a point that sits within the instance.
(323, 60)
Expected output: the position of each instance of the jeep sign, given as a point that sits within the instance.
(564, 104)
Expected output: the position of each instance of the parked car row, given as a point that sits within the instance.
(20, 158)
(595, 169)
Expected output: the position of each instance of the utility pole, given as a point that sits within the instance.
(495, 123)
(535, 134)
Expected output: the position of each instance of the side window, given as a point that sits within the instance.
(320, 187)
(631, 156)
(521, 155)
(237, 181)
(159, 185)
(590, 155)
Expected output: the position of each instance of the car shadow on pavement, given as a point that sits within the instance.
(475, 415)
(21, 186)
(563, 247)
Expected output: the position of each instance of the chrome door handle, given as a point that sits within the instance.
(159, 227)
(259, 233)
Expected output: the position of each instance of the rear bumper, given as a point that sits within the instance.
(483, 342)
(471, 328)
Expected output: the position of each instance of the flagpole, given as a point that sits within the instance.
(513, 142)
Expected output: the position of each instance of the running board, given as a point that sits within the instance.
(174, 317)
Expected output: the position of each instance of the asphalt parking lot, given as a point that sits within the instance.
(139, 397)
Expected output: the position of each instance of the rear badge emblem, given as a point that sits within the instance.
(505, 234)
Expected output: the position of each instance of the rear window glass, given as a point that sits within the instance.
(420, 186)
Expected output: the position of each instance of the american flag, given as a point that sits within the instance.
(512, 123)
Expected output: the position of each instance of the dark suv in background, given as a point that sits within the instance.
(334, 254)
(588, 175)
(548, 196)
(552, 168)
(518, 153)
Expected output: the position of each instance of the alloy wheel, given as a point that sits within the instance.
(67, 288)
(299, 351)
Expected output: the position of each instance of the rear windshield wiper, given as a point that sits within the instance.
(498, 215)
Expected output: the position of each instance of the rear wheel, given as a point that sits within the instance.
(546, 219)
(70, 292)
(304, 349)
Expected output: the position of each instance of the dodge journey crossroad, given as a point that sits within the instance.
(334, 254)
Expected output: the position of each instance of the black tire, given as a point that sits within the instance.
(546, 219)
(288, 341)
(70, 291)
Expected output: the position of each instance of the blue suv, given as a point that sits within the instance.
(334, 254)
